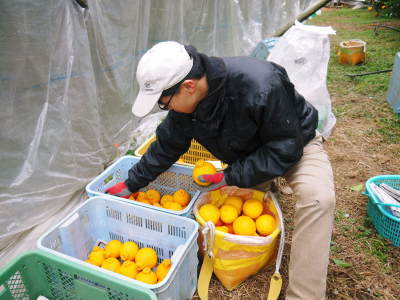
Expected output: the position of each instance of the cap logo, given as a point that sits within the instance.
(148, 87)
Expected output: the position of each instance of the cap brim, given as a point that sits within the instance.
(144, 103)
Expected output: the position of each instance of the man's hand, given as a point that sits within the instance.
(217, 179)
(120, 190)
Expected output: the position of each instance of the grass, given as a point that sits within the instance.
(382, 46)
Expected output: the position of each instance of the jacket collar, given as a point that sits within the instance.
(209, 111)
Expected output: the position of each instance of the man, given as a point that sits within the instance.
(247, 113)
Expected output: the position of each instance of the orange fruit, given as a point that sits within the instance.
(173, 206)
(265, 224)
(244, 225)
(217, 198)
(128, 250)
(96, 257)
(97, 248)
(153, 196)
(165, 199)
(219, 222)
(163, 268)
(144, 200)
(209, 212)
(147, 276)
(111, 264)
(202, 167)
(236, 202)
(252, 208)
(112, 249)
(228, 213)
(157, 204)
(230, 228)
(141, 196)
(146, 257)
(182, 197)
(129, 269)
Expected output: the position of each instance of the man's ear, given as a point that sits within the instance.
(189, 85)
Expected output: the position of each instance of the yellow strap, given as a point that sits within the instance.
(275, 286)
(205, 277)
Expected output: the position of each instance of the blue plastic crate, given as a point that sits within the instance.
(176, 177)
(393, 96)
(385, 223)
(105, 219)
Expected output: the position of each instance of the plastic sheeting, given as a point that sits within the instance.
(67, 83)
(304, 52)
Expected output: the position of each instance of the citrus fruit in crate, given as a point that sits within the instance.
(112, 249)
(165, 199)
(200, 168)
(153, 196)
(111, 264)
(129, 269)
(244, 225)
(96, 257)
(147, 276)
(146, 257)
(163, 268)
(141, 196)
(182, 197)
(97, 248)
(228, 213)
(128, 250)
(252, 208)
(236, 202)
(173, 206)
(209, 212)
(265, 224)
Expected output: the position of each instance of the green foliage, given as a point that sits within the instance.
(389, 8)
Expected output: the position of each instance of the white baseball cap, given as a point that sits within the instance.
(161, 67)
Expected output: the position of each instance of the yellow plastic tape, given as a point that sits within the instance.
(205, 277)
(275, 286)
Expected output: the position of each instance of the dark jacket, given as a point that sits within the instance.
(252, 119)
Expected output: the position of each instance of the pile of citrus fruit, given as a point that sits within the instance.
(177, 201)
(232, 214)
(127, 259)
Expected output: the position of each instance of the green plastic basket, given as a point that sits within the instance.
(385, 223)
(36, 273)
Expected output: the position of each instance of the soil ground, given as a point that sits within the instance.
(365, 143)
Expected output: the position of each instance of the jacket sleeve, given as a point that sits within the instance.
(276, 115)
(170, 144)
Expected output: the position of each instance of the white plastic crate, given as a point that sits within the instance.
(176, 177)
(103, 218)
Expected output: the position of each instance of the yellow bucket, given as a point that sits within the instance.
(352, 52)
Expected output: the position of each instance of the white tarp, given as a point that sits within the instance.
(67, 83)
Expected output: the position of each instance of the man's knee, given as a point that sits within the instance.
(322, 199)
(326, 200)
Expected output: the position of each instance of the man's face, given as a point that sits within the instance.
(184, 99)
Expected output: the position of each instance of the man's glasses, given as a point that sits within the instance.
(165, 106)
